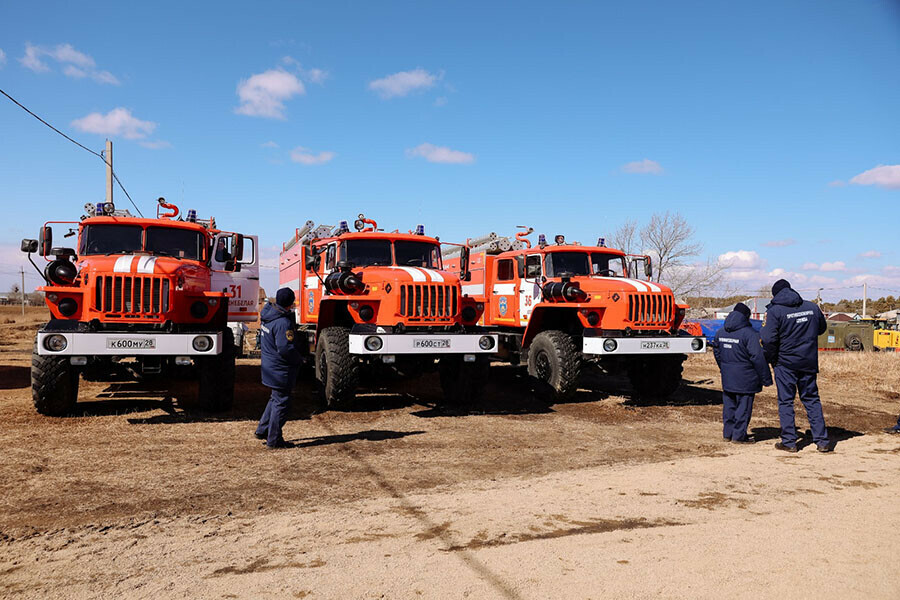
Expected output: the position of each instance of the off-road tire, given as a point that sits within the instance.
(854, 343)
(54, 384)
(463, 382)
(554, 366)
(215, 377)
(655, 377)
(337, 371)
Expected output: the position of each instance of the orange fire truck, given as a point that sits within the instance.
(369, 300)
(558, 306)
(138, 297)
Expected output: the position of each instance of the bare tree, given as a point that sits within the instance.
(627, 237)
(669, 237)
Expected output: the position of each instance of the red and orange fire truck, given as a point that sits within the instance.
(558, 306)
(369, 299)
(138, 297)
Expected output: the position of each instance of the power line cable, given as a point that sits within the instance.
(80, 145)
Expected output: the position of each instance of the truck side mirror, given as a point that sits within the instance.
(29, 246)
(237, 247)
(648, 268)
(520, 267)
(46, 240)
(464, 273)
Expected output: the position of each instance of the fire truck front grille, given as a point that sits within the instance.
(651, 309)
(129, 296)
(428, 302)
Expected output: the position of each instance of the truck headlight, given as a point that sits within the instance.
(486, 342)
(199, 310)
(55, 343)
(366, 312)
(373, 343)
(202, 343)
(610, 345)
(696, 344)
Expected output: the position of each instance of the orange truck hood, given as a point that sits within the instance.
(404, 275)
(601, 285)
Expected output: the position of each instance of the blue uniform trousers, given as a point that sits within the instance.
(274, 416)
(736, 411)
(897, 426)
(789, 382)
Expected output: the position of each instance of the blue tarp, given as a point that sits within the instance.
(711, 326)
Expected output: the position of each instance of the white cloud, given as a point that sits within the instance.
(75, 64)
(264, 94)
(779, 243)
(402, 83)
(887, 176)
(440, 154)
(870, 254)
(2, 58)
(643, 167)
(117, 122)
(305, 156)
(156, 144)
(836, 183)
(833, 266)
(810, 266)
(312, 75)
(741, 259)
(269, 144)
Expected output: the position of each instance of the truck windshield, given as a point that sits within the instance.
(111, 239)
(366, 253)
(170, 241)
(607, 265)
(575, 263)
(418, 254)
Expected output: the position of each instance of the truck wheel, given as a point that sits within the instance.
(854, 343)
(554, 364)
(54, 384)
(655, 377)
(336, 370)
(216, 377)
(463, 382)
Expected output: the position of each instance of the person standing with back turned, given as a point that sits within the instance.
(744, 372)
(790, 342)
(279, 365)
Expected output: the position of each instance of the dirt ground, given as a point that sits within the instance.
(599, 497)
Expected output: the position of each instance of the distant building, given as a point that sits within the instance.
(757, 308)
(842, 317)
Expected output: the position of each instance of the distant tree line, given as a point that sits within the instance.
(873, 306)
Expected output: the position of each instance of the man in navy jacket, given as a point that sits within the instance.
(280, 364)
(744, 372)
(790, 342)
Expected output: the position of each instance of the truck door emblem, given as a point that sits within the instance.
(501, 306)
(312, 302)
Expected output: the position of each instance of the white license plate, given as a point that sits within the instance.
(654, 345)
(429, 343)
(131, 343)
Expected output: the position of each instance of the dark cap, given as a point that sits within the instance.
(780, 285)
(742, 308)
(284, 298)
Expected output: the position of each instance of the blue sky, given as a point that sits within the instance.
(772, 126)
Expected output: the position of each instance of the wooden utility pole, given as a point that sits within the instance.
(22, 269)
(109, 171)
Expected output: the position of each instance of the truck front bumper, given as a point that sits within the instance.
(614, 346)
(422, 343)
(127, 344)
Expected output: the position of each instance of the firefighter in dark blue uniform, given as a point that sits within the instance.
(744, 371)
(280, 364)
(790, 342)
